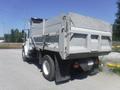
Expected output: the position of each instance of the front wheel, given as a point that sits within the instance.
(48, 68)
(24, 56)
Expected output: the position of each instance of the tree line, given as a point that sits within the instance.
(15, 36)
(116, 25)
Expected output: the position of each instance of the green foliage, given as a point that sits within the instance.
(116, 70)
(116, 25)
(14, 36)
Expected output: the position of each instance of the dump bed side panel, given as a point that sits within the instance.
(46, 34)
(52, 28)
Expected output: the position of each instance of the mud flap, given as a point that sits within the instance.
(62, 73)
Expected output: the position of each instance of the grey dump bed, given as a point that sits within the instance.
(72, 36)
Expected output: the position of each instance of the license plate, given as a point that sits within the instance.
(90, 63)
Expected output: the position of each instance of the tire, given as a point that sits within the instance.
(48, 68)
(23, 56)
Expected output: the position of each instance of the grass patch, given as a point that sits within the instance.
(10, 45)
(116, 48)
(116, 70)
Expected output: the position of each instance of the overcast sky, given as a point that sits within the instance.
(16, 13)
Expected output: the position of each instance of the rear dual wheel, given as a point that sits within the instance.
(48, 68)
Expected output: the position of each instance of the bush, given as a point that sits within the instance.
(116, 70)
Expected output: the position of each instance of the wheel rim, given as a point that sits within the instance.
(46, 67)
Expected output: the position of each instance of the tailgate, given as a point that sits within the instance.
(88, 40)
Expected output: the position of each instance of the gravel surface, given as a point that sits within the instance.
(18, 75)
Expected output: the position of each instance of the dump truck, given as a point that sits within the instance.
(67, 42)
